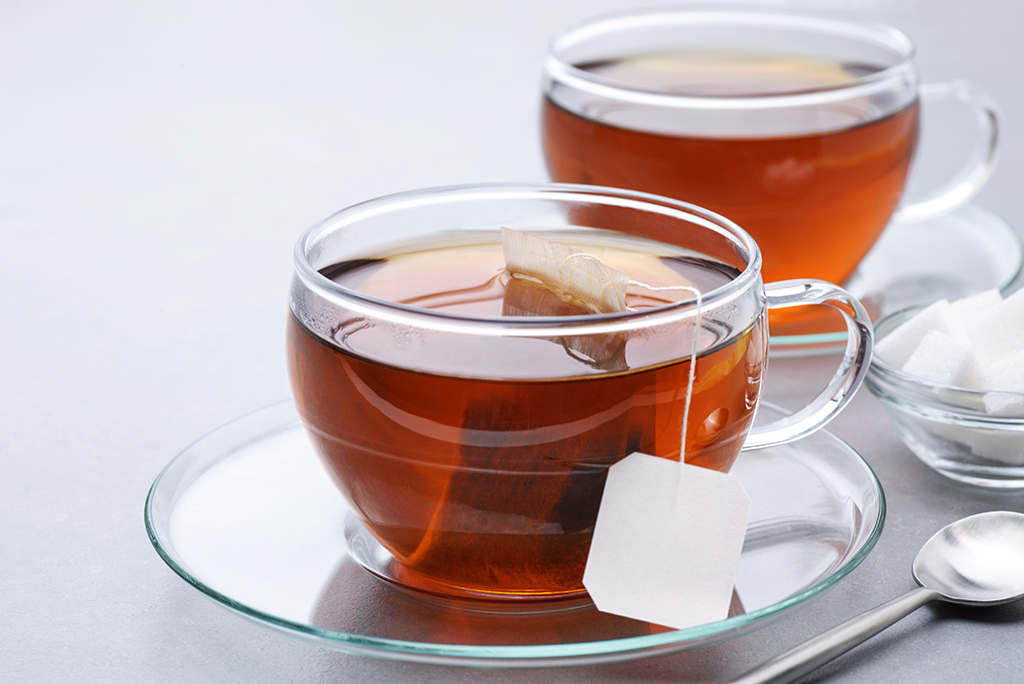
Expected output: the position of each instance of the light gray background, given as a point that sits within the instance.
(158, 161)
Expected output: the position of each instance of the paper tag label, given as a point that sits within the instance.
(667, 542)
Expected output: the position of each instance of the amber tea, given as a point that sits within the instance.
(815, 189)
(491, 484)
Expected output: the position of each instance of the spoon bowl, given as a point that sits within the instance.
(975, 561)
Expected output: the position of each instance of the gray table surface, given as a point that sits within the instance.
(158, 161)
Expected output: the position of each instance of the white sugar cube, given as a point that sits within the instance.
(999, 332)
(943, 359)
(897, 347)
(1002, 447)
(1005, 378)
(999, 447)
(973, 343)
(966, 311)
(1003, 403)
(1005, 375)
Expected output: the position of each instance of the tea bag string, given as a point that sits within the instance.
(693, 358)
(693, 350)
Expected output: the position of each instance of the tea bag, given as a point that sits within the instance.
(527, 297)
(523, 494)
(563, 281)
(580, 277)
(668, 536)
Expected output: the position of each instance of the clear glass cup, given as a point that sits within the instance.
(474, 447)
(800, 129)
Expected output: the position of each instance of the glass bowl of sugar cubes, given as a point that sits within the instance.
(951, 377)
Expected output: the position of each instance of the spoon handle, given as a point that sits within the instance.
(817, 651)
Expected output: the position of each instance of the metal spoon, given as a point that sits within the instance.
(976, 561)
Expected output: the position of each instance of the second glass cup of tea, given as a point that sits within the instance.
(800, 129)
(469, 415)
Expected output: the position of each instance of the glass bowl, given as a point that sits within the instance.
(947, 427)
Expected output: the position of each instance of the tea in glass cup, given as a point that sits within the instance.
(802, 130)
(469, 415)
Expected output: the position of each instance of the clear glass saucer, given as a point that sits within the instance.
(959, 254)
(247, 516)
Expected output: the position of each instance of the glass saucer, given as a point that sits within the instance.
(247, 516)
(959, 254)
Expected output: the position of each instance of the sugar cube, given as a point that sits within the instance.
(1003, 403)
(1005, 378)
(973, 343)
(1005, 375)
(999, 447)
(966, 311)
(943, 359)
(897, 347)
(999, 332)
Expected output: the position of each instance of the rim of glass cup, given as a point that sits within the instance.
(862, 86)
(536, 326)
(963, 400)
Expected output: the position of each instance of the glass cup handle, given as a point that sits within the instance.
(847, 378)
(965, 184)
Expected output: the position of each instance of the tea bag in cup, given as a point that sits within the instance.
(679, 572)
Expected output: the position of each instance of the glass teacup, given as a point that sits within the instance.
(469, 416)
(800, 129)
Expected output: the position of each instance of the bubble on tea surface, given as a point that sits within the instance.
(576, 275)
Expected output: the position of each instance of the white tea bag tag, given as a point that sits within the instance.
(667, 542)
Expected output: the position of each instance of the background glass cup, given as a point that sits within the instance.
(799, 129)
(474, 447)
